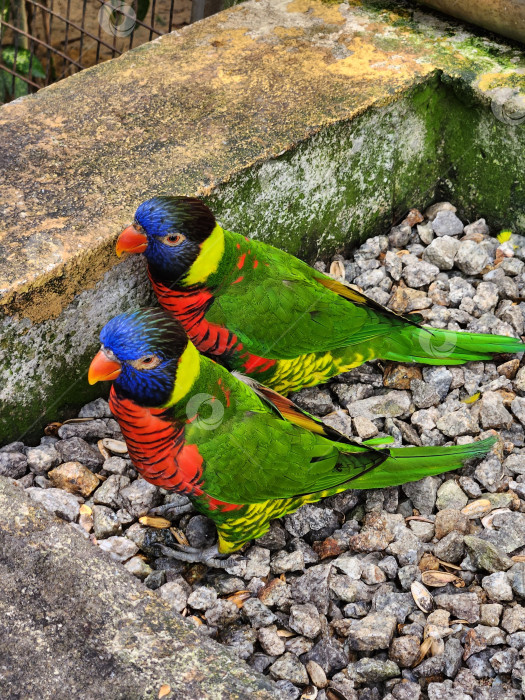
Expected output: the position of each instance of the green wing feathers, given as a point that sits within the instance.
(295, 310)
(274, 454)
(407, 341)
(434, 346)
(413, 463)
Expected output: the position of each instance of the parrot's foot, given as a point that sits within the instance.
(171, 510)
(193, 555)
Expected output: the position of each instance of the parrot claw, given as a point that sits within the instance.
(171, 510)
(209, 556)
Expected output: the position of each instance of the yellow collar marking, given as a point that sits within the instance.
(188, 370)
(209, 258)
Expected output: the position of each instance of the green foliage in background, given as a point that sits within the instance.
(18, 58)
(142, 8)
(25, 65)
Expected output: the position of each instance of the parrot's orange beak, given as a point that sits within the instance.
(102, 369)
(131, 241)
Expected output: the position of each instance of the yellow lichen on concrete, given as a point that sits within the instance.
(331, 14)
(489, 81)
(368, 63)
(288, 32)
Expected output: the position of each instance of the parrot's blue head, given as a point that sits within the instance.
(170, 232)
(140, 351)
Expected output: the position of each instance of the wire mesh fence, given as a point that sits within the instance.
(42, 41)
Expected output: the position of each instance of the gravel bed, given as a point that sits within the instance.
(338, 601)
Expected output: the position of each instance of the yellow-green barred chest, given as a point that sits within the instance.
(254, 520)
(315, 368)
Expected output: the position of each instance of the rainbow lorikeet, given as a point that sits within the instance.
(265, 313)
(242, 453)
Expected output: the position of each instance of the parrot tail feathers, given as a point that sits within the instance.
(413, 463)
(433, 346)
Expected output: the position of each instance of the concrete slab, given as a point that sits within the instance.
(505, 17)
(77, 625)
(310, 125)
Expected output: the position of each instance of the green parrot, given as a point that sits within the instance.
(242, 453)
(266, 314)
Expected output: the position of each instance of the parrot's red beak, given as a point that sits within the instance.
(102, 369)
(131, 241)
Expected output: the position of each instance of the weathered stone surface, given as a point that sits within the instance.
(13, 464)
(365, 428)
(513, 619)
(119, 548)
(56, 501)
(493, 412)
(497, 586)
(451, 548)
(138, 567)
(89, 430)
(450, 519)
(304, 619)
(450, 495)
(397, 376)
(395, 604)
(447, 223)
(76, 449)
(109, 493)
(504, 18)
(405, 650)
(105, 522)
(375, 631)
(487, 556)
(457, 423)
(370, 670)
(42, 458)
(313, 587)
(270, 641)
(461, 605)
(258, 613)
(516, 576)
(288, 667)
(471, 258)
(75, 478)
(101, 623)
(329, 654)
(441, 252)
(422, 493)
(139, 497)
(393, 404)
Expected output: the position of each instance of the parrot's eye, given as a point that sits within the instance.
(146, 362)
(173, 239)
